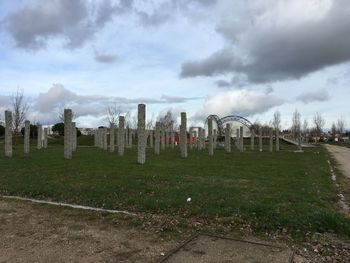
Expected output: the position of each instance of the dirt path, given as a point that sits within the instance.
(342, 155)
(37, 233)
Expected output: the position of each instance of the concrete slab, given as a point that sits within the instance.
(207, 248)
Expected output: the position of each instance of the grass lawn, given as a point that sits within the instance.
(271, 191)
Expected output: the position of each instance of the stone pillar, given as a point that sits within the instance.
(112, 138)
(162, 137)
(8, 133)
(277, 140)
(74, 137)
(191, 134)
(95, 137)
(105, 141)
(26, 137)
(195, 139)
(260, 140)
(203, 139)
(237, 139)
(172, 139)
(151, 138)
(199, 141)
(183, 135)
(68, 133)
(45, 138)
(39, 143)
(121, 134)
(210, 136)
(228, 138)
(241, 146)
(215, 138)
(252, 137)
(166, 136)
(141, 147)
(157, 139)
(271, 139)
(100, 138)
(299, 141)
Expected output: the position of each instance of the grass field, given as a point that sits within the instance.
(270, 191)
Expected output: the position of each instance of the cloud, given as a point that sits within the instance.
(105, 58)
(238, 102)
(174, 99)
(47, 107)
(279, 41)
(318, 95)
(76, 22)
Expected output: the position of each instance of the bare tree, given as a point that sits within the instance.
(296, 124)
(19, 110)
(319, 124)
(276, 122)
(113, 113)
(341, 126)
(150, 123)
(168, 120)
(305, 127)
(334, 130)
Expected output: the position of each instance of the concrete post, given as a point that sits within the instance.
(105, 141)
(252, 137)
(157, 139)
(162, 137)
(210, 136)
(151, 139)
(183, 135)
(74, 137)
(130, 138)
(215, 137)
(95, 137)
(39, 143)
(260, 140)
(172, 139)
(241, 139)
(191, 134)
(203, 139)
(195, 139)
(199, 141)
(141, 147)
(112, 138)
(45, 138)
(68, 133)
(271, 139)
(121, 139)
(228, 138)
(237, 139)
(277, 140)
(26, 137)
(8, 133)
(299, 141)
(166, 136)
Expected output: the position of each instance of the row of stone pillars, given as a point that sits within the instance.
(70, 134)
(41, 136)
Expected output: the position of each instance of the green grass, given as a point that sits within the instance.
(270, 191)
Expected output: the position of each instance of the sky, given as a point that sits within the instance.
(245, 57)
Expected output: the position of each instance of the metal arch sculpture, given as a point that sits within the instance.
(221, 121)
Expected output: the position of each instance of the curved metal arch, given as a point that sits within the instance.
(221, 121)
(217, 119)
(240, 119)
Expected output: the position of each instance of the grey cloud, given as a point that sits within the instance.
(31, 26)
(219, 62)
(47, 107)
(105, 58)
(174, 99)
(318, 95)
(286, 52)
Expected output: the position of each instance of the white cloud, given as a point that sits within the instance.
(238, 102)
